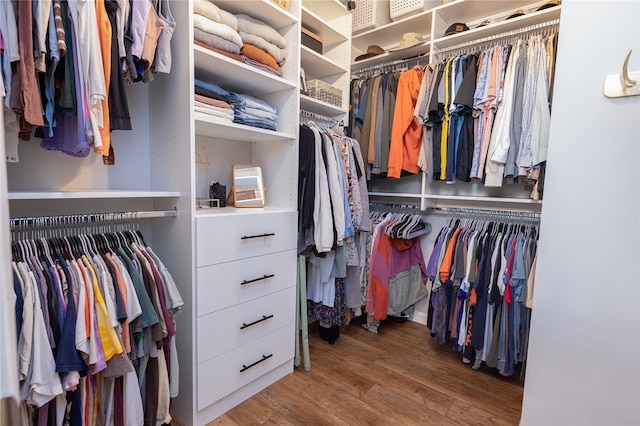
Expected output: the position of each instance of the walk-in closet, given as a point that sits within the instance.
(319, 212)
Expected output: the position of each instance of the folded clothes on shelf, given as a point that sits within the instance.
(213, 12)
(243, 100)
(215, 43)
(250, 25)
(221, 30)
(257, 113)
(256, 122)
(278, 53)
(211, 90)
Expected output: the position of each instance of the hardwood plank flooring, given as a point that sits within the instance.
(398, 376)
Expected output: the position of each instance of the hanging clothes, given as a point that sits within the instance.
(96, 330)
(479, 274)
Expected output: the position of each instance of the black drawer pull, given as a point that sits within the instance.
(264, 277)
(264, 318)
(248, 237)
(246, 367)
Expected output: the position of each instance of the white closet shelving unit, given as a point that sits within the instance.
(165, 163)
(432, 24)
(239, 334)
(332, 22)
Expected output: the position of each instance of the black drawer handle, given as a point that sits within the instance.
(264, 318)
(264, 277)
(248, 237)
(246, 367)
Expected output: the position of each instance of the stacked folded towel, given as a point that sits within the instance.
(251, 111)
(216, 27)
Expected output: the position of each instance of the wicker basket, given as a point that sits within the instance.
(322, 91)
(282, 3)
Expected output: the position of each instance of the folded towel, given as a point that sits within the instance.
(254, 26)
(280, 55)
(242, 100)
(211, 90)
(213, 12)
(213, 102)
(198, 34)
(256, 113)
(221, 30)
(257, 54)
(262, 66)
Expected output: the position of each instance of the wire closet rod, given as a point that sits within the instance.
(504, 35)
(391, 64)
(39, 222)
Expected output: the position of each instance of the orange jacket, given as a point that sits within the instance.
(406, 132)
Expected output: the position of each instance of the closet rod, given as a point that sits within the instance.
(500, 36)
(324, 121)
(488, 214)
(391, 64)
(84, 219)
(398, 208)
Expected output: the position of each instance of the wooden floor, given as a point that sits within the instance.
(399, 376)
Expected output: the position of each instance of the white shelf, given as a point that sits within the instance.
(389, 35)
(419, 50)
(513, 24)
(79, 194)
(458, 198)
(469, 11)
(318, 66)
(230, 210)
(308, 103)
(266, 10)
(330, 9)
(219, 129)
(330, 36)
(482, 199)
(236, 76)
(395, 195)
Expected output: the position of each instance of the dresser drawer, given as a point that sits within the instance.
(229, 328)
(227, 284)
(225, 238)
(230, 371)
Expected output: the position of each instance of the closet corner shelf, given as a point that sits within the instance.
(265, 10)
(310, 104)
(472, 10)
(394, 194)
(318, 66)
(234, 75)
(330, 9)
(421, 49)
(481, 199)
(477, 34)
(89, 194)
(330, 36)
(388, 35)
(209, 126)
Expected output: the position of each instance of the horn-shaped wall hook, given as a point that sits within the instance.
(623, 85)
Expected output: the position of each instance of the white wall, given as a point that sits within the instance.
(584, 353)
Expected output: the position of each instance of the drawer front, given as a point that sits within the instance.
(229, 328)
(225, 238)
(227, 284)
(232, 370)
